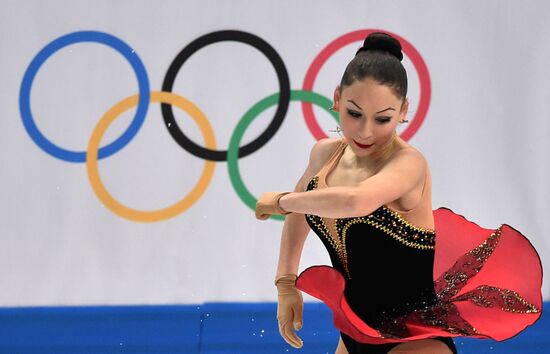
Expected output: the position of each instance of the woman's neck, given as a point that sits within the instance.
(377, 159)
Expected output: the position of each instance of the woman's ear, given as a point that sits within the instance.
(404, 110)
(336, 99)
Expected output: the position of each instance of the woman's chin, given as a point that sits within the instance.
(360, 153)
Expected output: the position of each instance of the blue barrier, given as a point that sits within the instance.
(211, 328)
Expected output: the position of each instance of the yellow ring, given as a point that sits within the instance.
(150, 215)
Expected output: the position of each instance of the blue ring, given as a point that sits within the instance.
(44, 54)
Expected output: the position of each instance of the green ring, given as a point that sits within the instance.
(246, 120)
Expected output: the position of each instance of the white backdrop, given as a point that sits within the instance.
(485, 136)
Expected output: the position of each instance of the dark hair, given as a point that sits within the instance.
(380, 59)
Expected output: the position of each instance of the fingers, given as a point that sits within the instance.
(288, 325)
(298, 317)
(261, 213)
(261, 216)
(286, 331)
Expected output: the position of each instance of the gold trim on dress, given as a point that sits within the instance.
(336, 241)
(384, 219)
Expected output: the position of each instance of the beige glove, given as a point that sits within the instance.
(268, 204)
(290, 307)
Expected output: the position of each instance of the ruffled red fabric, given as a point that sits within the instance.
(488, 285)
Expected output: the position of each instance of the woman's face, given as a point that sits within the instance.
(369, 114)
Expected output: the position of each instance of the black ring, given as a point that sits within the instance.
(203, 41)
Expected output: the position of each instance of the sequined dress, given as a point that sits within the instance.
(391, 281)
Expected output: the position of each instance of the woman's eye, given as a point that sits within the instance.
(354, 114)
(383, 120)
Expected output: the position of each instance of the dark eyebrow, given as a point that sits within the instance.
(356, 105)
(384, 110)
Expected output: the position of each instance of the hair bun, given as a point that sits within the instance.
(384, 42)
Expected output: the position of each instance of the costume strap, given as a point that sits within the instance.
(330, 163)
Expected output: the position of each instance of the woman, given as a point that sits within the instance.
(368, 197)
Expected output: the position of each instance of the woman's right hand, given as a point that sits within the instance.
(290, 307)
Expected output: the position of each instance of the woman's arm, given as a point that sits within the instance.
(294, 234)
(295, 228)
(402, 174)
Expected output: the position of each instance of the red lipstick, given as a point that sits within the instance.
(362, 146)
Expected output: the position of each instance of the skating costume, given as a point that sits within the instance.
(392, 281)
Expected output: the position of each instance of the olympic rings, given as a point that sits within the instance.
(167, 99)
(214, 37)
(246, 120)
(155, 215)
(408, 49)
(44, 54)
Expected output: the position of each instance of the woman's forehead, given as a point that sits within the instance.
(369, 92)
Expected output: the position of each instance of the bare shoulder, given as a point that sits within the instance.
(321, 152)
(410, 159)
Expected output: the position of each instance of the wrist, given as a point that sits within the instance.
(286, 279)
(281, 204)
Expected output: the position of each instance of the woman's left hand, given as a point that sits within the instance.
(268, 204)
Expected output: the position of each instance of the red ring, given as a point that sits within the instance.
(332, 47)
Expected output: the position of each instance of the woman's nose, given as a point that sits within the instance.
(366, 129)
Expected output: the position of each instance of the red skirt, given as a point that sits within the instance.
(487, 282)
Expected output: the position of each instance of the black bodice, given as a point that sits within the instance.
(386, 261)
